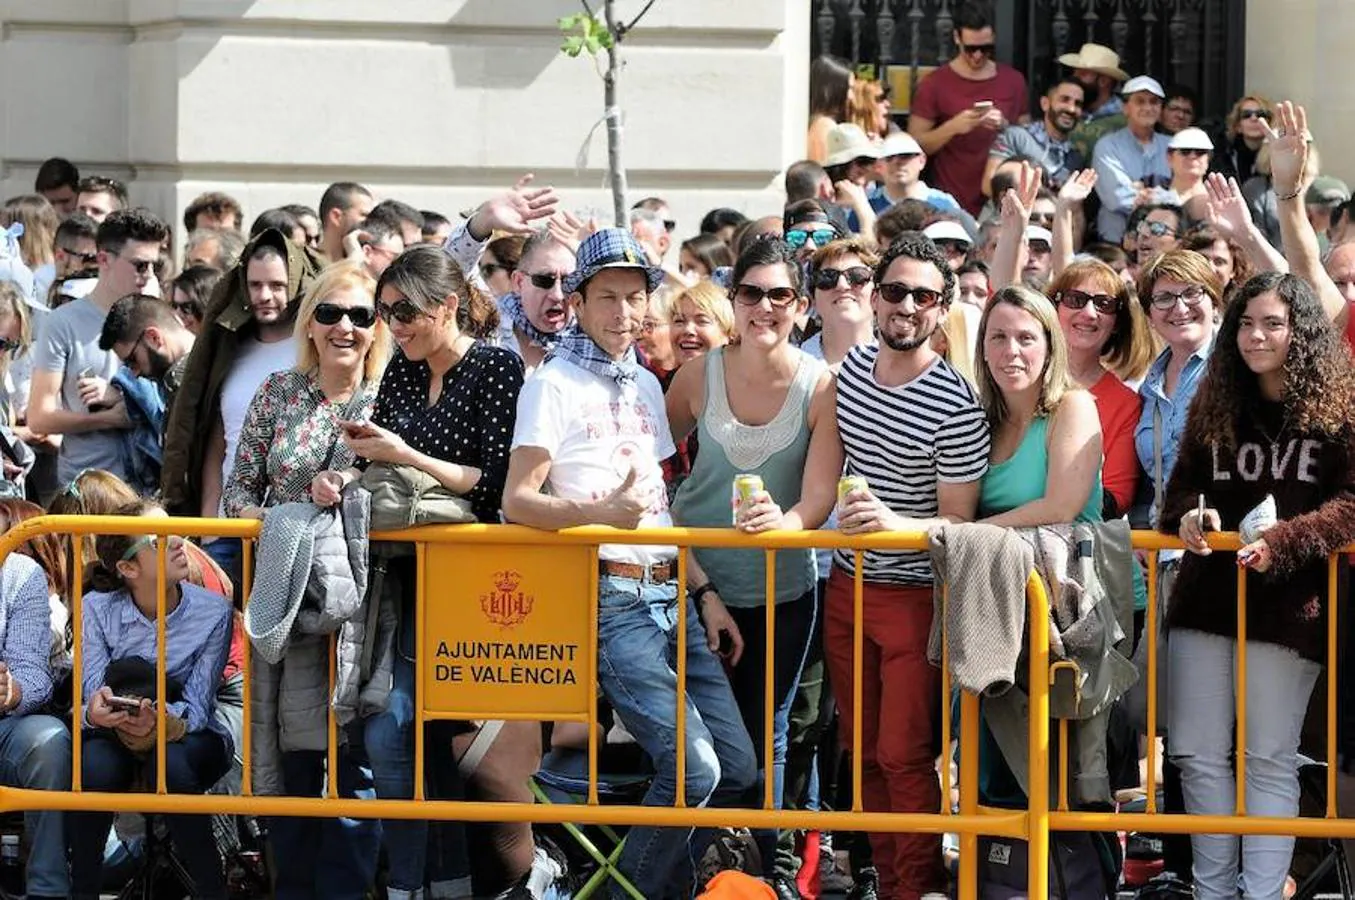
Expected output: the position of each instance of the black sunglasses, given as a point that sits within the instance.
(1104, 303)
(88, 259)
(142, 266)
(669, 225)
(1254, 114)
(826, 279)
(187, 308)
(545, 280)
(985, 49)
(331, 313)
(403, 311)
(751, 295)
(897, 292)
(1192, 151)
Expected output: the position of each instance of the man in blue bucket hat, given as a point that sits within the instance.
(591, 430)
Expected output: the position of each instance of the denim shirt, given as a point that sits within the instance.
(1172, 410)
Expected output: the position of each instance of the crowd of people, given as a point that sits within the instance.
(1088, 313)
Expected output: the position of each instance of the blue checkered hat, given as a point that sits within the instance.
(610, 248)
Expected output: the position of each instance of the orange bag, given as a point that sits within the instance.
(734, 885)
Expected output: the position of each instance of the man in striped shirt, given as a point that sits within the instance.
(912, 427)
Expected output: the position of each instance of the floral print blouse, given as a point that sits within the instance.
(290, 435)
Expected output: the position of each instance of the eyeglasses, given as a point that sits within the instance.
(131, 354)
(137, 546)
(331, 313)
(898, 291)
(488, 269)
(545, 280)
(88, 259)
(1156, 229)
(1254, 114)
(1075, 300)
(142, 266)
(403, 311)
(827, 279)
(985, 49)
(1191, 151)
(1178, 108)
(778, 297)
(1191, 296)
(798, 237)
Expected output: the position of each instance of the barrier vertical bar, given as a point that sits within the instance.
(769, 696)
(969, 792)
(247, 668)
(593, 677)
(78, 700)
(420, 589)
(331, 728)
(1241, 692)
(1332, 675)
(1063, 765)
(947, 727)
(161, 695)
(1038, 777)
(680, 800)
(1150, 635)
(858, 647)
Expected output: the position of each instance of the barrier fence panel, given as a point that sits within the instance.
(507, 628)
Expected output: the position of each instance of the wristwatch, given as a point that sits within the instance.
(697, 593)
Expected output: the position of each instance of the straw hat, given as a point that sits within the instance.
(1097, 58)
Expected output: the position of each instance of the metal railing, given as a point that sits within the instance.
(517, 545)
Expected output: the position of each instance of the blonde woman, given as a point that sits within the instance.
(701, 318)
(37, 244)
(1246, 132)
(1042, 424)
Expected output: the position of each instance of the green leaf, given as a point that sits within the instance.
(573, 45)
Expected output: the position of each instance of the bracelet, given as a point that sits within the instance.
(697, 593)
(1297, 191)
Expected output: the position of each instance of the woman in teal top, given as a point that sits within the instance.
(761, 407)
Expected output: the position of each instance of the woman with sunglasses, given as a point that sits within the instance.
(1246, 132)
(1158, 231)
(119, 714)
(288, 444)
(446, 406)
(499, 262)
(761, 407)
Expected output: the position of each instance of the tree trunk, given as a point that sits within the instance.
(615, 170)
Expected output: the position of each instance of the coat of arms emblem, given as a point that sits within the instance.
(506, 605)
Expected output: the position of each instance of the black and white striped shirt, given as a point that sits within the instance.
(903, 440)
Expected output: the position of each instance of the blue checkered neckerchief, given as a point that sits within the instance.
(573, 345)
(511, 306)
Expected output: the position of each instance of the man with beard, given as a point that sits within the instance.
(149, 339)
(1045, 142)
(535, 311)
(911, 425)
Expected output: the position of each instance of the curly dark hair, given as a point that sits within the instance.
(1319, 377)
(916, 245)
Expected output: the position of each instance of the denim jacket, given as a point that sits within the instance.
(1172, 411)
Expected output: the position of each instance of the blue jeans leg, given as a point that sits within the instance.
(637, 648)
(35, 753)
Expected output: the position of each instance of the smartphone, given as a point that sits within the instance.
(984, 105)
(124, 704)
(357, 429)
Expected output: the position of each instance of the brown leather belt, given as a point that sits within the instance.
(658, 573)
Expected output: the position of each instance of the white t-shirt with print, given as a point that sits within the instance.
(595, 435)
(254, 362)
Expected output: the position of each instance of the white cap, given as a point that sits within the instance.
(1190, 139)
(847, 142)
(947, 230)
(1039, 233)
(900, 143)
(1143, 83)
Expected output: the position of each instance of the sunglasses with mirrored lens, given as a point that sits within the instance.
(1254, 114)
(751, 295)
(1104, 303)
(331, 313)
(897, 292)
(985, 49)
(402, 311)
(545, 280)
(798, 237)
(827, 279)
(1157, 229)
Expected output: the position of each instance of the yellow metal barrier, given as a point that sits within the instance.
(548, 559)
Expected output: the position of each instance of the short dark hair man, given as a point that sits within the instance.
(213, 210)
(408, 219)
(590, 433)
(76, 249)
(309, 220)
(97, 196)
(1044, 142)
(71, 372)
(59, 181)
(436, 227)
(146, 335)
(344, 205)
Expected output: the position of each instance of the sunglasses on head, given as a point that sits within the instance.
(1157, 229)
(985, 49)
(545, 280)
(1075, 300)
(403, 311)
(138, 545)
(751, 295)
(827, 279)
(331, 313)
(898, 291)
(798, 237)
(1254, 114)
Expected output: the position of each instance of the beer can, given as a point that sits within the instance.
(848, 483)
(745, 486)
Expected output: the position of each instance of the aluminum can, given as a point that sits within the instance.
(745, 486)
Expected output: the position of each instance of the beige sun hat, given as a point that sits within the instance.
(1097, 58)
(846, 142)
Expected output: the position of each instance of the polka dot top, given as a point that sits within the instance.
(470, 425)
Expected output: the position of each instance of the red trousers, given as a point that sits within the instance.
(900, 715)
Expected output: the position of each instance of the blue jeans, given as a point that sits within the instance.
(35, 753)
(325, 857)
(389, 739)
(192, 765)
(637, 650)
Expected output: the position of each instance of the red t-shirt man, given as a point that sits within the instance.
(947, 120)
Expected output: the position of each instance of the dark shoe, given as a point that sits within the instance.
(867, 885)
(785, 888)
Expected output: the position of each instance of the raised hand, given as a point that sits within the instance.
(515, 211)
(1226, 207)
(1288, 148)
(1018, 201)
(1077, 188)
